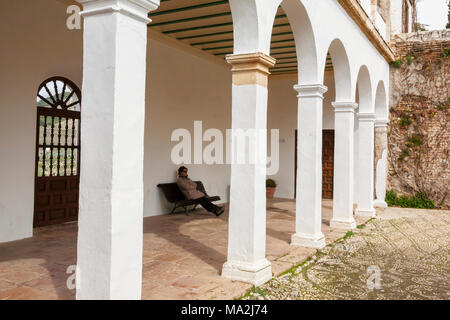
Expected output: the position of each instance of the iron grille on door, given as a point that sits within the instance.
(57, 152)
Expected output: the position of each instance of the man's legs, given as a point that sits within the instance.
(208, 205)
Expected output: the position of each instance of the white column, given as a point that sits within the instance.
(109, 256)
(247, 221)
(365, 165)
(309, 167)
(343, 166)
(381, 146)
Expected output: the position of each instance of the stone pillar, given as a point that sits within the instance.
(309, 167)
(381, 149)
(343, 166)
(247, 221)
(109, 256)
(365, 165)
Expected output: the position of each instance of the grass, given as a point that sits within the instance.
(418, 201)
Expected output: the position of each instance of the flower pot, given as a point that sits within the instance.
(270, 192)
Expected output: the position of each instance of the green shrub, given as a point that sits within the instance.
(446, 53)
(391, 198)
(419, 200)
(397, 63)
(415, 141)
(405, 153)
(271, 183)
(405, 121)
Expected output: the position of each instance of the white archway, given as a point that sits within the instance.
(252, 25)
(364, 87)
(342, 74)
(381, 102)
(305, 42)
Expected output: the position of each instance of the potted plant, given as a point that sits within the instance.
(271, 186)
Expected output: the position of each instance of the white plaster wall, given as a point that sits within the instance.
(182, 88)
(35, 45)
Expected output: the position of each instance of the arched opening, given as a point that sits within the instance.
(57, 172)
(364, 91)
(341, 70)
(381, 104)
(337, 78)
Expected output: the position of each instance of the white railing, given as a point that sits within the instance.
(380, 24)
(366, 6)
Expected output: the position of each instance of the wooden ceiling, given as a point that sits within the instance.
(207, 25)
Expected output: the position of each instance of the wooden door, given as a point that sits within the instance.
(327, 164)
(57, 174)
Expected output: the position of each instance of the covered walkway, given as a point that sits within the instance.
(182, 258)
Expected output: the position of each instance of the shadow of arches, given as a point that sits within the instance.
(168, 228)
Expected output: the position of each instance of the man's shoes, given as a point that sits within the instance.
(219, 211)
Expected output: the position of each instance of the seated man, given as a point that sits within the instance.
(189, 189)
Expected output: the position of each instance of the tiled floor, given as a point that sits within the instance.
(183, 256)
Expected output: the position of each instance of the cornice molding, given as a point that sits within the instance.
(345, 107)
(136, 9)
(357, 13)
(310, 90)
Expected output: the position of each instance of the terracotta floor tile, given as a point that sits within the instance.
(182, 256)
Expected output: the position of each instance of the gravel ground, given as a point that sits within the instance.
(399, 258)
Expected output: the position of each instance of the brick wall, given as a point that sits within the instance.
(419, 135)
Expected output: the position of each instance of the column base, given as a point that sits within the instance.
(315, 241)
(255, 274)
(343, 224)
(371, 213)
(380, 204)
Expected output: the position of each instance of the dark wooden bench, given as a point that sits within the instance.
(174, 195)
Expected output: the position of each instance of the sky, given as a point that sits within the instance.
(433, 13)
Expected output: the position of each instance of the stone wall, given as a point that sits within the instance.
(418, 135)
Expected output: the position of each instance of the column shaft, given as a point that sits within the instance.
(247, 221)
(343, 166)
(365, 165)
(381, 149)
(309, 167)
(109, 256)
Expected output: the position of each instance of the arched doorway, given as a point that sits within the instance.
(57, 169)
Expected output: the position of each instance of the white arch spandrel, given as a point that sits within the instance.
(305, 42)
(252, 24)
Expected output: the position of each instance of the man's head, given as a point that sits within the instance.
(182, 172)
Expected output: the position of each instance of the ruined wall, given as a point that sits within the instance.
(419, 136)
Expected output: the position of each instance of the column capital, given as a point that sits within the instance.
(345, 107)
(381, 123)
(250, 68)
(137, 9)
(310, 90)
(367, 117)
